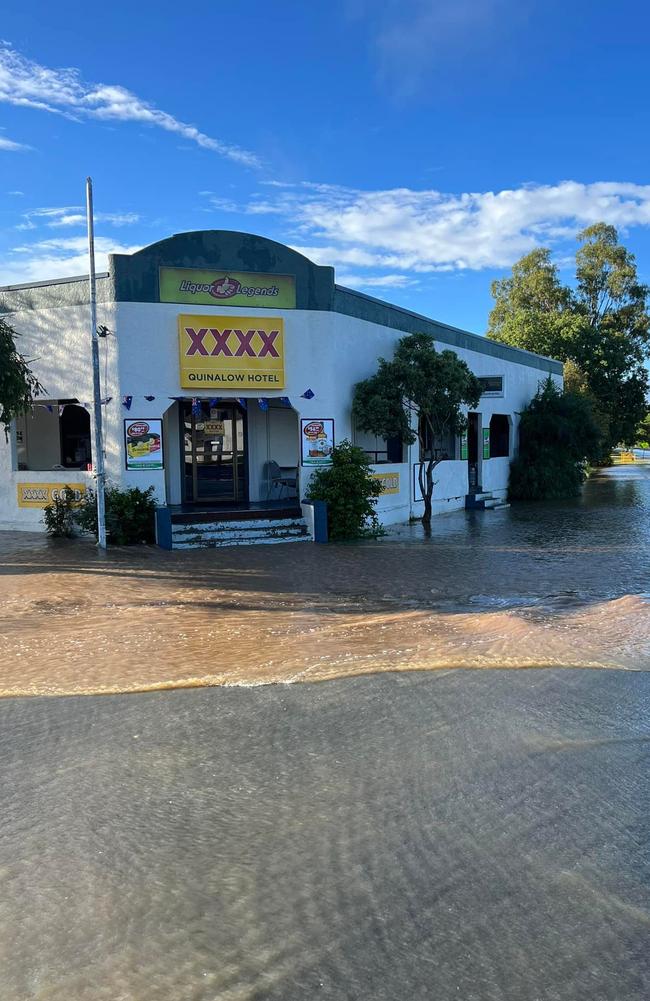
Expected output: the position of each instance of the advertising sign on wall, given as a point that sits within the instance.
(230, 288)
(243, 352)
(463, 447)
(389, 482)
(42, 494)
(143, 443)
(317, 441)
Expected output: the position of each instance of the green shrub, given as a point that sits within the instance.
(130, 515)
(59, 515)
(558, 434)
(350, 493)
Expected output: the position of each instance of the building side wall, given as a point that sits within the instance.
(325, 352)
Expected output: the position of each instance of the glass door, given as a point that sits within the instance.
(214, 443)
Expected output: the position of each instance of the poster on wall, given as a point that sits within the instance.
(143, 441)
(317, 441)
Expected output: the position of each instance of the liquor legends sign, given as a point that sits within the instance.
(232, 288)
(239, 352)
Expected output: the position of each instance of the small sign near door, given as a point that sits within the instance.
(214, 427)
(317, 441)
(486, 443)
(143, 441)
(464, 451)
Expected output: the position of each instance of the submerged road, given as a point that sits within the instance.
(474, 835)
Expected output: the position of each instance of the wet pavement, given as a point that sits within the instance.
(538, 585)
(438, 835)
(413, 829)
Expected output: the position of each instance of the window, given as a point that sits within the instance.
(438, 446)
(491, 385)
(54, 434)
(379, 449)
(499, 436)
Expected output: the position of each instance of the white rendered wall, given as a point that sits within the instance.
(324, 351)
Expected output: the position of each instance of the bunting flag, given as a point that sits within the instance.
(49, 407)
(196, 407)
(215, 401)
(107, 399)
(61, 409)
(263, 403)
(242, 402)
(285, 401)
(86, 406)
(127, 401)
(150, 398)
(308, 394)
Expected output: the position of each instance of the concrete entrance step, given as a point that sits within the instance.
(484, 501)
(210, 534)
(495, 504)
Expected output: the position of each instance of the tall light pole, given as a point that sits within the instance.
(98, 444)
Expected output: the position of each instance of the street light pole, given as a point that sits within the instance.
(98, 444)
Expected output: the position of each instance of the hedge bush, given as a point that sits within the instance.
(350, 493)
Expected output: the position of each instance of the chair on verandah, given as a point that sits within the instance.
(282, 480)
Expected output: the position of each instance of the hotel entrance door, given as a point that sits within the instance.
(214, 444)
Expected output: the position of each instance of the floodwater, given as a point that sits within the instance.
(413, 830)
(474, 835)
(539, 585)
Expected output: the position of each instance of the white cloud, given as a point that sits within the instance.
(421, 231)
(9, 146)
(62, 91)
(375, 281)
(73, 215)
(57, 258)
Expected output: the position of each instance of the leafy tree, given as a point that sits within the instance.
(417, 396)
(350, 492)
(643, 433)
(18, 385)
(557, 432)
(602, 326)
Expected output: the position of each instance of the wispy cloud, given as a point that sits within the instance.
(57, 258)
(419, 231)
(410, 39)
(73, 215)
(26, 83)
(9, 146)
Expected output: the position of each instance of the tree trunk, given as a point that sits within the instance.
(426, 488)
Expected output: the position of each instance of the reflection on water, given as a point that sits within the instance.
(560, 584)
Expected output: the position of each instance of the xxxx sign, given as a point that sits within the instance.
(243, 352)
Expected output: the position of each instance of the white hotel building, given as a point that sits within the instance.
(228, 363)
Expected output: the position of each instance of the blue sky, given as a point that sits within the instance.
(419, 147)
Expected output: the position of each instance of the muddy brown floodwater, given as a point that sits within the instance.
(534, 586)
(405, 832)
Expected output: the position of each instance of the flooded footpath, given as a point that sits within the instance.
(415, 829)
(540, 585)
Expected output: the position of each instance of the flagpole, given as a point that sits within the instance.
(98, 445)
